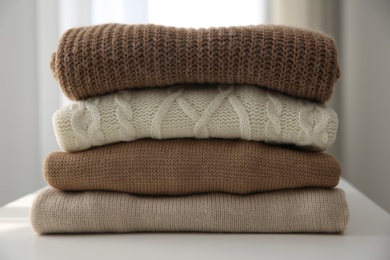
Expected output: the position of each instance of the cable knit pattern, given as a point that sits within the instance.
(313, 115)
(86, 124)
(246, 112)
(101, 59)
(294, 210)
(124, 113)
(274, 111)
(155, 131)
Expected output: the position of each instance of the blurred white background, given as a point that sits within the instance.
(30, 30)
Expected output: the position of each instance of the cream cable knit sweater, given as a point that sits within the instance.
(246, 112)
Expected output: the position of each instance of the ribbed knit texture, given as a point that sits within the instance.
(101, 59)
(245, 112)
(296, 210)
(183, 166)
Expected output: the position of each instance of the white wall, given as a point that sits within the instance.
(49, 94)
(19, 153)
(29, 35)
(366, 97)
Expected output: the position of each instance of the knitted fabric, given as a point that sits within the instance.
(295, 210)
(184, 166)
(246, 112)
(101, 59)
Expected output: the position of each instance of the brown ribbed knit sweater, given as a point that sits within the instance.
(101, 59)
(184, 166)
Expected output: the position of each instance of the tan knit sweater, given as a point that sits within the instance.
(101, 59)
(245, 112)
(294, 210)
(183, 166)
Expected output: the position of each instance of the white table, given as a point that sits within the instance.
(367, 237)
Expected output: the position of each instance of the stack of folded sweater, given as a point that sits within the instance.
(211, 130)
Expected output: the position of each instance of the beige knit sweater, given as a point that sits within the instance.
(183, 166)
(101, 59)
(294, 210)
(246, 112)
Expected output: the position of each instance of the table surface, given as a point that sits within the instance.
(367, 237)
